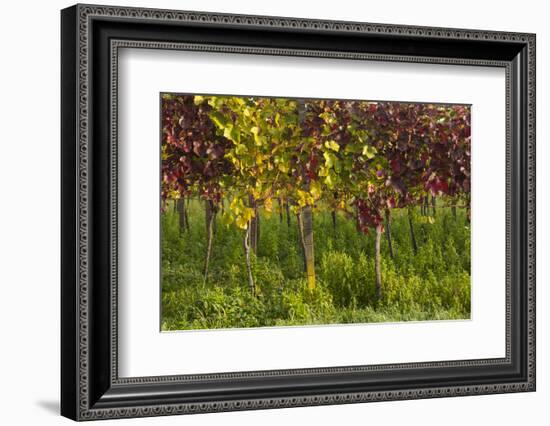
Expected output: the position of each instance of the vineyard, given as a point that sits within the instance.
(279, 211)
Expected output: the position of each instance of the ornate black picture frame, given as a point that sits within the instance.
(91, 388)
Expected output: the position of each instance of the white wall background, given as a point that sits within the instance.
(29, 212)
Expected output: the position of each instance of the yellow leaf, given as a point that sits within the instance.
(332, 145)
(241, 222)
(268, 204)
(282, 167)
(236, 206)
(328, 181)
(258, 140)
(301, 198)
(259, 159)
(173, 194)
(369, 151)
(323, 171)
(248, 213)
(315, 189)
(330, 159)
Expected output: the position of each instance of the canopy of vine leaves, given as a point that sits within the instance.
(360, 156)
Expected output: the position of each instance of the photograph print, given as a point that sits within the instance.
(298, 212)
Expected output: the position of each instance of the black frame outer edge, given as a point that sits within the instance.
(69, 188)
(106, 395)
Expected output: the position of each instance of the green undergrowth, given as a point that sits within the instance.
(433, 284)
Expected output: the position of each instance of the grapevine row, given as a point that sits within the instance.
(362, 158)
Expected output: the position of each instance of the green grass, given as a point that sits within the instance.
(434, 284)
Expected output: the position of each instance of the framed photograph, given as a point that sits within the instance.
(263, 212)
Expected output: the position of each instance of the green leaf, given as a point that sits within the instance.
(369, 151)
(241, 149)
(227, 219)
(227, 131)
(258, 140)
(218, 119)
(232, 133)
(352, 148)
(325, 130)
(329, 181)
